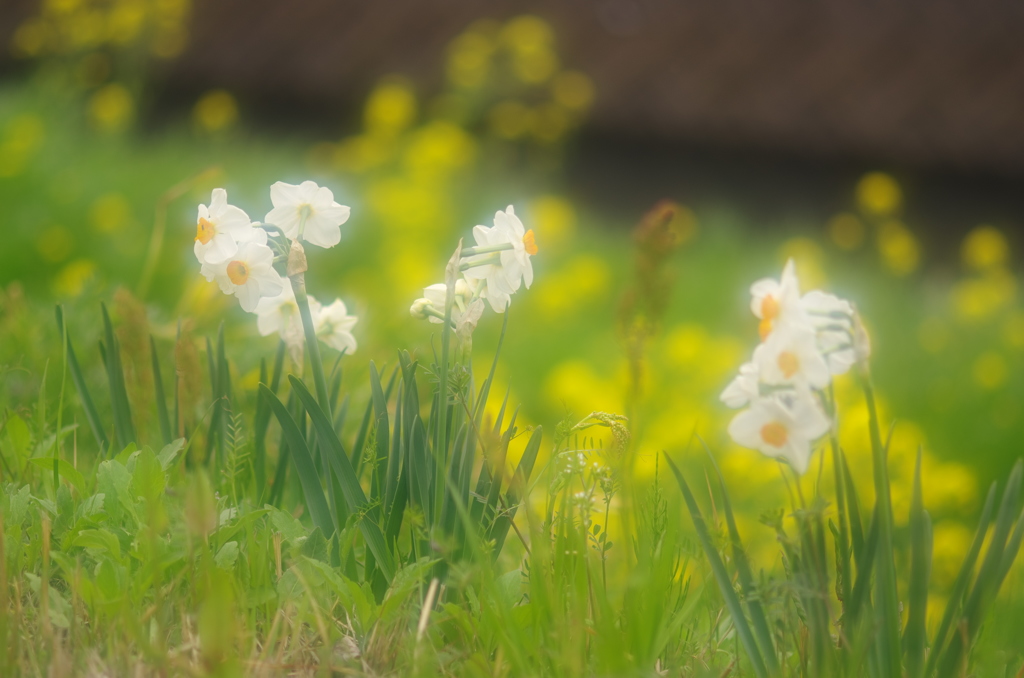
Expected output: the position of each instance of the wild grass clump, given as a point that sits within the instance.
(301, 525)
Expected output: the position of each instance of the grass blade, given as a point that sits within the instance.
(757, 615)
(732, 601)
(111, 350)
(963, 579)
(311, 487)
(161, 399)
(516, 491)
(350, 487)
(914, 635)
(985, 586)
(83, 390)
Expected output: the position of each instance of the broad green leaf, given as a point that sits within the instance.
(227, 555)
(290, 528)
(66, 470)
(170, 452)
(99, 539)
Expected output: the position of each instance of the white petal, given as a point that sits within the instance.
(282, 194)
(321, 232)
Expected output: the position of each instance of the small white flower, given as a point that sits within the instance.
(824, 308)
(249, 273)
(515, 262)
(492, 279)
(781, 430)
(744, 388)
(777, 302)
(280, 314)
(334, 327)
(219, 228)
(323, 216)
(419, 308)
(790, 355)
(435, 297)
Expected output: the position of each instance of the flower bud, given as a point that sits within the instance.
(419, 308)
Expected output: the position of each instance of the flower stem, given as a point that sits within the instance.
(312, 345)
(492, 258)
(486, 249)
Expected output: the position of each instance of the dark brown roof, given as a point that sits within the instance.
(931, 82)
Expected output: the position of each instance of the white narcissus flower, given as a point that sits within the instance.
(219, 228)
(777, 302)
(323, 216)
(334, 326)
(744, 388)
(491, 279)
(249, 273)
(780, 429)
(790, 355)
(833, 319)
(280, 314)
(515, 262)
(435, 296)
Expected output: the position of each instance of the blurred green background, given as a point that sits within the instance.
(118, 117)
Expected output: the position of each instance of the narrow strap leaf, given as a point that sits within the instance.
(732, 601)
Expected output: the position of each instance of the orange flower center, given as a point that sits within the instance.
(238, 272)
(769, 312)
(205, 230)
(774, 433)
(788, 363)
(530, 242)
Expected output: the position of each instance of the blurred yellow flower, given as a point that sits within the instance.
(110, 213)
(555, 218)
(527, 32)
(125, 21)
(950, 542)
(573, 90)
(71, 280)
(361, 153)
(582, 279)
(535, 65)
(990, 370)
(469, 56)
(22, 137)
(437, 149)
(215, 111)
(686, 343)
(878, 194)
(30, 38)
(574, 386)
(846, 231)
(510, 119)
(1013, 329)
(55, 244)
(809, 259)
(985, 248)
(390, 108)
(977, 299)
(898, 247)
(112, 107)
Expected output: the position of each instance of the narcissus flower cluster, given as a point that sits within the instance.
(491, 271)
(244, 258)
(807, 339)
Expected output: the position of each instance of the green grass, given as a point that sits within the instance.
(179, 498)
